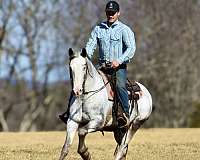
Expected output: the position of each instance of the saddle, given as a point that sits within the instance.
(134, 92)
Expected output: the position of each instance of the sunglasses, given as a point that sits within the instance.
(110, 13)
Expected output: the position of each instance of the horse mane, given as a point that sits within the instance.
(91, 69)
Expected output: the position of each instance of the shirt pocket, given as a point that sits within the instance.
(102, 39)
(115, 39)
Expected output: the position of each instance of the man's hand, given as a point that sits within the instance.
(114, 64)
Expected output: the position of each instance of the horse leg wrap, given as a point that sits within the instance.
(84, 153)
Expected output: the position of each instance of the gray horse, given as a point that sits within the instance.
(93, 111)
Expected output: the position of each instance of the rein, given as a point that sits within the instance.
(92, 91)
(98, 90)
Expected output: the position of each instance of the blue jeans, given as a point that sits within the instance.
(121, 78)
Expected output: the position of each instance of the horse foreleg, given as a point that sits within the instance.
(121, 152)
(123, 147)
(71, 130)
(82, 149)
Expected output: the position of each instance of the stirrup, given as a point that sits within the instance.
(123, 121)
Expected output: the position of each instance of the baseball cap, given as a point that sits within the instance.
(112, 6)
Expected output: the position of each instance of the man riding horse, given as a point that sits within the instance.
(117, 46)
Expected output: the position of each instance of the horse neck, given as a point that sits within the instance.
(94, 80)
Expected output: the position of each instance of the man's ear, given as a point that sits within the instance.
(84, 53)
(118, 13)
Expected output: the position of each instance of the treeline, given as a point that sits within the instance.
(35, 36)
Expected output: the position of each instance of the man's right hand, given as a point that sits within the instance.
(115, 64)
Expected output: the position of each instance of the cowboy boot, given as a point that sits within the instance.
(64, 117)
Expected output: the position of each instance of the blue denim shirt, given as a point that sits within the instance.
(116, 42)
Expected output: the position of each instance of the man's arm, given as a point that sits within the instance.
(129, 40)
(92, 43)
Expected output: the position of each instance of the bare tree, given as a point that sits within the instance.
(31, 56)
(34, 38)
(167, 57)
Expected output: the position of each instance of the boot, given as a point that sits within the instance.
(123, 120)
(63, 117)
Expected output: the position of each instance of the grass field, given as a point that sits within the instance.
(148, 144)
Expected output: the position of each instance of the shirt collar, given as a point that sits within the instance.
(112, 26)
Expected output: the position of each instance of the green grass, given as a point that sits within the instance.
(148, 144)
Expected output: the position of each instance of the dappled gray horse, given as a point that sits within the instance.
(93, 111)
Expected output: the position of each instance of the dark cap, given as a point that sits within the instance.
(112, 6)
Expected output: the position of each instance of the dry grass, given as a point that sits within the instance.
(148, 144)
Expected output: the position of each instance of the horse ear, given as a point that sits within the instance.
(71, 52)
(84, 53)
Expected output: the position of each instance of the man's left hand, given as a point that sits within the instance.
(115, 64)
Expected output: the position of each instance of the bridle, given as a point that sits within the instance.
(87, 73)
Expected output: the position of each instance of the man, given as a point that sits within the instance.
(116, 44)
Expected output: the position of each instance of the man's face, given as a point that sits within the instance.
(112, 16)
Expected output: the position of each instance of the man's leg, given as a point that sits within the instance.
(121, 78)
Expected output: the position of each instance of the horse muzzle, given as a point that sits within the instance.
(78, 92)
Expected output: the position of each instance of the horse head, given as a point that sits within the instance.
(78, 65)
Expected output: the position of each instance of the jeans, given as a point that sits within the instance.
(121, 78)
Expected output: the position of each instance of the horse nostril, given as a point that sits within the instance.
(77, 93)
